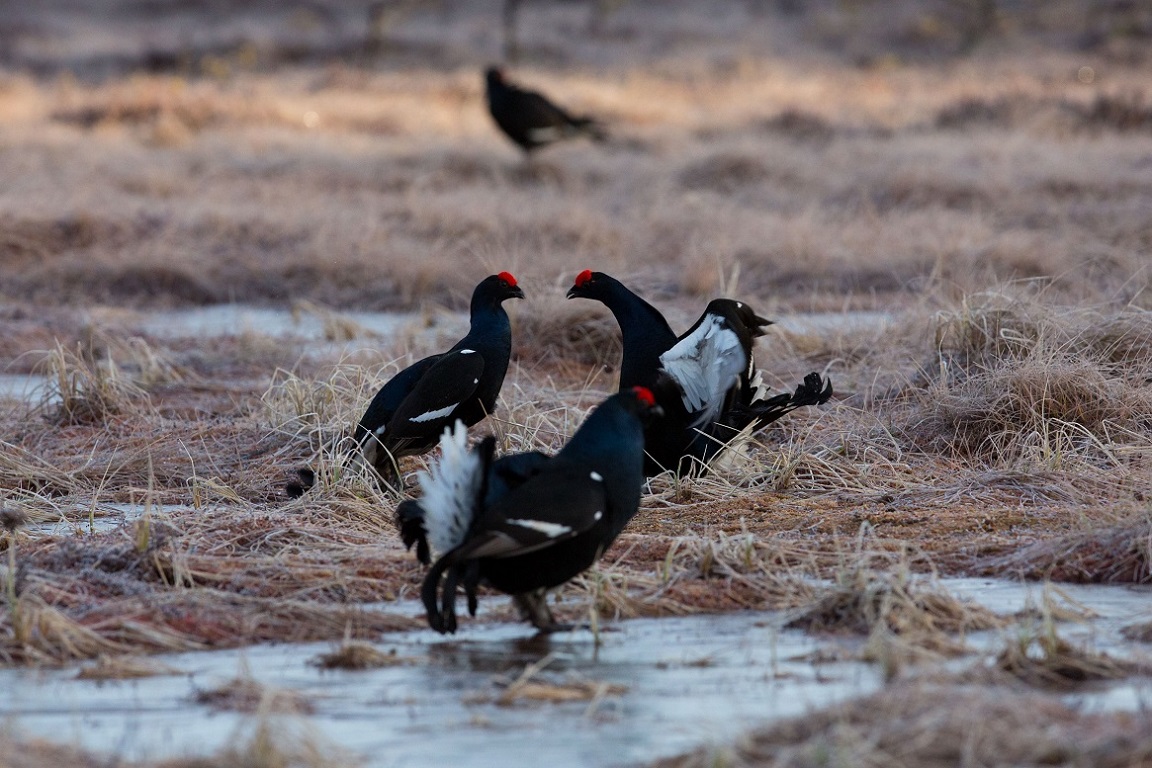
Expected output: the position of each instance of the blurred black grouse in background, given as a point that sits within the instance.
(531, 120)
(409, 413)
(705, 380)
(526, 523)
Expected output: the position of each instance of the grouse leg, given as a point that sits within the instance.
(533, 607)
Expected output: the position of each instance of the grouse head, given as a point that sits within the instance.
(494, 76)
(641, 401)
(497, 288)
(590, 285)
(739, 316)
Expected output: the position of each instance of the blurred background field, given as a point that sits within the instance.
(814, 154)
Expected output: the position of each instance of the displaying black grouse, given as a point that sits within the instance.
(531, 120)
(526, 523)
(409, 413)
(705, 380)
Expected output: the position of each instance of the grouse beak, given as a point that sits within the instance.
(574, 292)
(517, 292)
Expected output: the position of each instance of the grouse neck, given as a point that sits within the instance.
(488, 321)
(645, 335)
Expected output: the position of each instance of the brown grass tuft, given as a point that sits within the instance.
(243, 694)
(575, 333)
(1141, 632)
(358, 655)
(1039, 657)
(935, 725)
(1100, 553)
(83, 390)
(1020, 378)
(529, 687)
(123, 668)
(907, 618)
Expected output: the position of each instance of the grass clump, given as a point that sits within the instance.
(934, 725)
(244, 694)
(907, 618)
(1116, 552)
(1019, 379)
(272, 743)
(123, 668)
(357, 656)
(1041, 658)
(1140, 632)
(85, 390)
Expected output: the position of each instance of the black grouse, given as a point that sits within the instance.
(705, 380)
(530, 119)
(408, 414)
(526, 523)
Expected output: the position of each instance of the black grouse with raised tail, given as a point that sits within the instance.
(526, 523)
(531, 120)
(705, 380)
(409, 413)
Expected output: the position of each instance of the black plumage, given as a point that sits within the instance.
(409, 413)
(530, 119)
(705, 379)
(526, 523)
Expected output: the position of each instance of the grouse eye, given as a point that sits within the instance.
(644, 395)
(583, 278)
(508, 279)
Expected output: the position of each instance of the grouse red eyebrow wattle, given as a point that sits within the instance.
(644, 395)
(508, 278)
(583, 277)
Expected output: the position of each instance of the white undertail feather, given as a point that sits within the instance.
(450, 487)
(705, 364)
(760, 390)
(737, 459)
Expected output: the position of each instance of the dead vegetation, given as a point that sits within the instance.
(531, 685)
(941, 724)
(358, 656)
(243, 694)
(1039, 657)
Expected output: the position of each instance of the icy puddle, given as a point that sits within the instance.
(28, 388)
(654, 687)
(101, 518)
(232, 319)
(665, 685)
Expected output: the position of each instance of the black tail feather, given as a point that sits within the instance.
(814, 390)
(305, 479)
(429, 594)
(410, 522)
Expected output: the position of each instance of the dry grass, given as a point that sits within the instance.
(934, 724)
(243, 694)
(262, 742)
(1141, 632)
(1045, 660)
(123, 668)
(1101, 553)
(354, 655)
(744, 138)
(529, 686)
